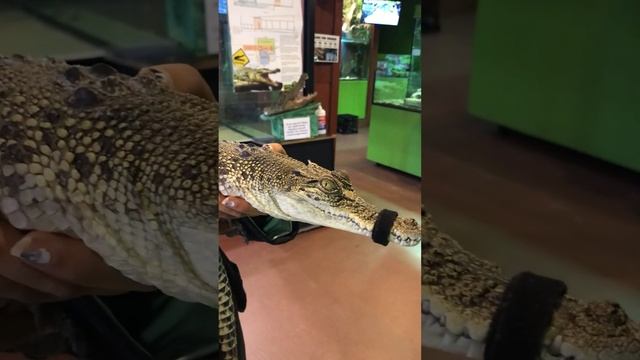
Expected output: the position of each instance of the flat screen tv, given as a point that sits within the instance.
(381, 12)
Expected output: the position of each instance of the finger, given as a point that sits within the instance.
(275, 147)
(13, 291)
(229, 214)
(17, 271)
(240, 206)
(226, 212)
(183, 78)
(70, 260)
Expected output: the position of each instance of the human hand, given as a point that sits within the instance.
(182, 78)
(233, 207)
(43, 267)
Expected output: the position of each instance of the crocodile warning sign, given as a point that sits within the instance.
(240, 58)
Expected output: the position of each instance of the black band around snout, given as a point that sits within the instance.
(523, 317)
(382, 227)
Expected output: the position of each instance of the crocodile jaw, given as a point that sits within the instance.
(352, 214)
(461, 292)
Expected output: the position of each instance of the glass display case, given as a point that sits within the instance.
(355, 43)
(354, 62)
(399, 77)
(242, 113)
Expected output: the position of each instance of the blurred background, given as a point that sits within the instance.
(127, 35)
(530, 129)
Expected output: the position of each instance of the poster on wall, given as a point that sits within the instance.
(266, 43)
(326, 48)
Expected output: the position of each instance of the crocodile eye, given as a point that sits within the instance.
(329, 185)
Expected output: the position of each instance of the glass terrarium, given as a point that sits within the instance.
(399, 77)
(354, 64)
(355, 43)
(242, 112)
(413, 97)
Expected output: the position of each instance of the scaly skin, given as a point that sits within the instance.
(288, 189)
(123, 163)
(461, 293)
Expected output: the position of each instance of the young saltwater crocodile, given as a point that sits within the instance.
(288, 189)
(461, 294)
(131, 168)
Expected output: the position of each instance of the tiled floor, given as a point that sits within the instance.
(523, 203)
(332, 295)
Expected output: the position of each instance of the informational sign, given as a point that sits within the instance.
(297, 128)
(268, 35)
(240, 58)
(326, 48)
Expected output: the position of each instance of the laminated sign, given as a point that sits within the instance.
(267, 43)
(297, 128)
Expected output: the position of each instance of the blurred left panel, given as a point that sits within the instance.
(108, 179)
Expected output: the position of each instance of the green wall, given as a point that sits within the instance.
(564, 71)
(352, 98)
(395, 138)
(398, 39)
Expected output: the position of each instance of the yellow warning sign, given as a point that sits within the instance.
(240, 58)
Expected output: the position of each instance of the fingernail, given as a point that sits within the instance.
(229, 203)
(36, 256)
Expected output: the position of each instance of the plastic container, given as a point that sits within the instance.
(347, 124)
(322, 120)
(277, 129)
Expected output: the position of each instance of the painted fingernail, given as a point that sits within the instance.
(36, 256)
(229, 203)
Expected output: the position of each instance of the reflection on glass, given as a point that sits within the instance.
(81, 28)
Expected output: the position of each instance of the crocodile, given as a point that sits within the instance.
(289, 189)
(291, 98)
(462, 292)
(131, 167)
(249, 78)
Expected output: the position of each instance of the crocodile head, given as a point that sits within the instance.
(462, 292)
(289, 189)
